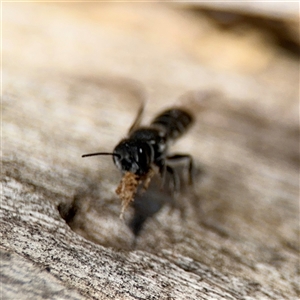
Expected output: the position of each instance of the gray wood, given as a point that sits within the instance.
(235, 235)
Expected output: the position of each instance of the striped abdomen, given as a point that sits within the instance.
(173, 122)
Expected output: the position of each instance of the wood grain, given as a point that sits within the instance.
(74, 76)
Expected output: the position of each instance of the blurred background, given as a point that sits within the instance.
(81, 64)
(162, 45)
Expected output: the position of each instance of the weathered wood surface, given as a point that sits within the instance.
(73, 77)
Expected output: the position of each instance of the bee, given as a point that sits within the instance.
(145, 152)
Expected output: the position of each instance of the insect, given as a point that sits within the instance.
(145, 152)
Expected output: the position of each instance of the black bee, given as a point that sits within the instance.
(146, 147)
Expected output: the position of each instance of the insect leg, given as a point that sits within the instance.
(175, 178)
(136, 123)
(168, 176)
(184, 160)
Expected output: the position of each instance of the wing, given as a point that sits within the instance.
(138, 118)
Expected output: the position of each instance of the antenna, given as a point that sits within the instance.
(100, 153)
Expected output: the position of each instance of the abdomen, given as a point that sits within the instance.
(173, 122)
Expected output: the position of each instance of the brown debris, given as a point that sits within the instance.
(126, 190)
(128, 186)
(147, 178)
